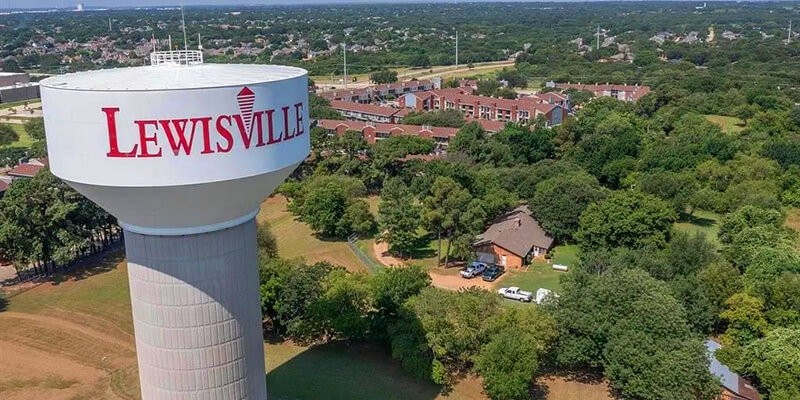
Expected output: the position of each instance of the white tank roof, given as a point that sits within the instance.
(172, 77)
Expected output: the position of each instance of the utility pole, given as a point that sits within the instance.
(344, 47)
(598, 37)
(170, 43)
(109, 24)
(789, 38)
(456, 48)
(183, 23)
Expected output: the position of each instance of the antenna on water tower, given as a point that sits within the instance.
(183, 23)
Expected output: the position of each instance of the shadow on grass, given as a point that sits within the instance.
(695, 220)
(341, 371)
(90, 266)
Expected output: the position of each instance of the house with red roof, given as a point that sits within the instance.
(374, 132)
(368, 112)
(27, 169)
(620, 92)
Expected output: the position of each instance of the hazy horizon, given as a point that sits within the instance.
(34, 4)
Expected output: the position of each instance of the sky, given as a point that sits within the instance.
(18, 4)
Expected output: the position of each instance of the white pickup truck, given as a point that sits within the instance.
(515, 293)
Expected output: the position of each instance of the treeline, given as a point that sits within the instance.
(45, 225)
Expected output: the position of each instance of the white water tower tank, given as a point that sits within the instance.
(182, 153)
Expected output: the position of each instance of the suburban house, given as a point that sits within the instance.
(734, 387)
(621, 92)
(374, 132)
(27, 169)
(513, 240)
(521, 110)
(368, 112)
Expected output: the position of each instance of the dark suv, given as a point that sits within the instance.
(493, 272)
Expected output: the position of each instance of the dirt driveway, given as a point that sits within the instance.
(456, 282)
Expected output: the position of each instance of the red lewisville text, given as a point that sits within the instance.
(204, 135)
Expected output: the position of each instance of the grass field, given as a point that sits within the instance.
(24, 139)
(729, 125)
(702, 221)
(296, 239)
(539, 275)
(72, 340)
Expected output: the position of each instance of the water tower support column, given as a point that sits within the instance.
(197, 314)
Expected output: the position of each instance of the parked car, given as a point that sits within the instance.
(515, 293)
(493, 272)
(472, 270)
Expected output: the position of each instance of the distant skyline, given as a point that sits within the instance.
(27, 4)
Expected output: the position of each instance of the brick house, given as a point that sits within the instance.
(514, 240)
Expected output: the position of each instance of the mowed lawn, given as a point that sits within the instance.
(297, 240)
(705, 222)
(24, 139)
(729, 125)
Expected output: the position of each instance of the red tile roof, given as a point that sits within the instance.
(635, 91)
(25, 170)
(367, 108)
(530, 105)
(396, 129)
(3, 186)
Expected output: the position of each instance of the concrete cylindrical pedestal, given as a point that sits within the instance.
(197, 314)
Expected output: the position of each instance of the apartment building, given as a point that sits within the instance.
(521, 110)
(368, 112)
(620, 92)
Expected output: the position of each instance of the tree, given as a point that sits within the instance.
(628, 219)
(441, 211)
(398, 216)
(42, 219)
(748, 217)
(383, 76)
(607, 321)
(444, 118)
(267, 244)
(719, 281)
(340, 311)
(323, 209)
(452, 323)
(773, 362)
(507, 364)
(510, 360)
(488, 87)
(745, 318)
(357, 218)
(558, 202)
(7, 135)
(35, 128)
(320, 108)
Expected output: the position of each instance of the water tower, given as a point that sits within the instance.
(182, 153)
